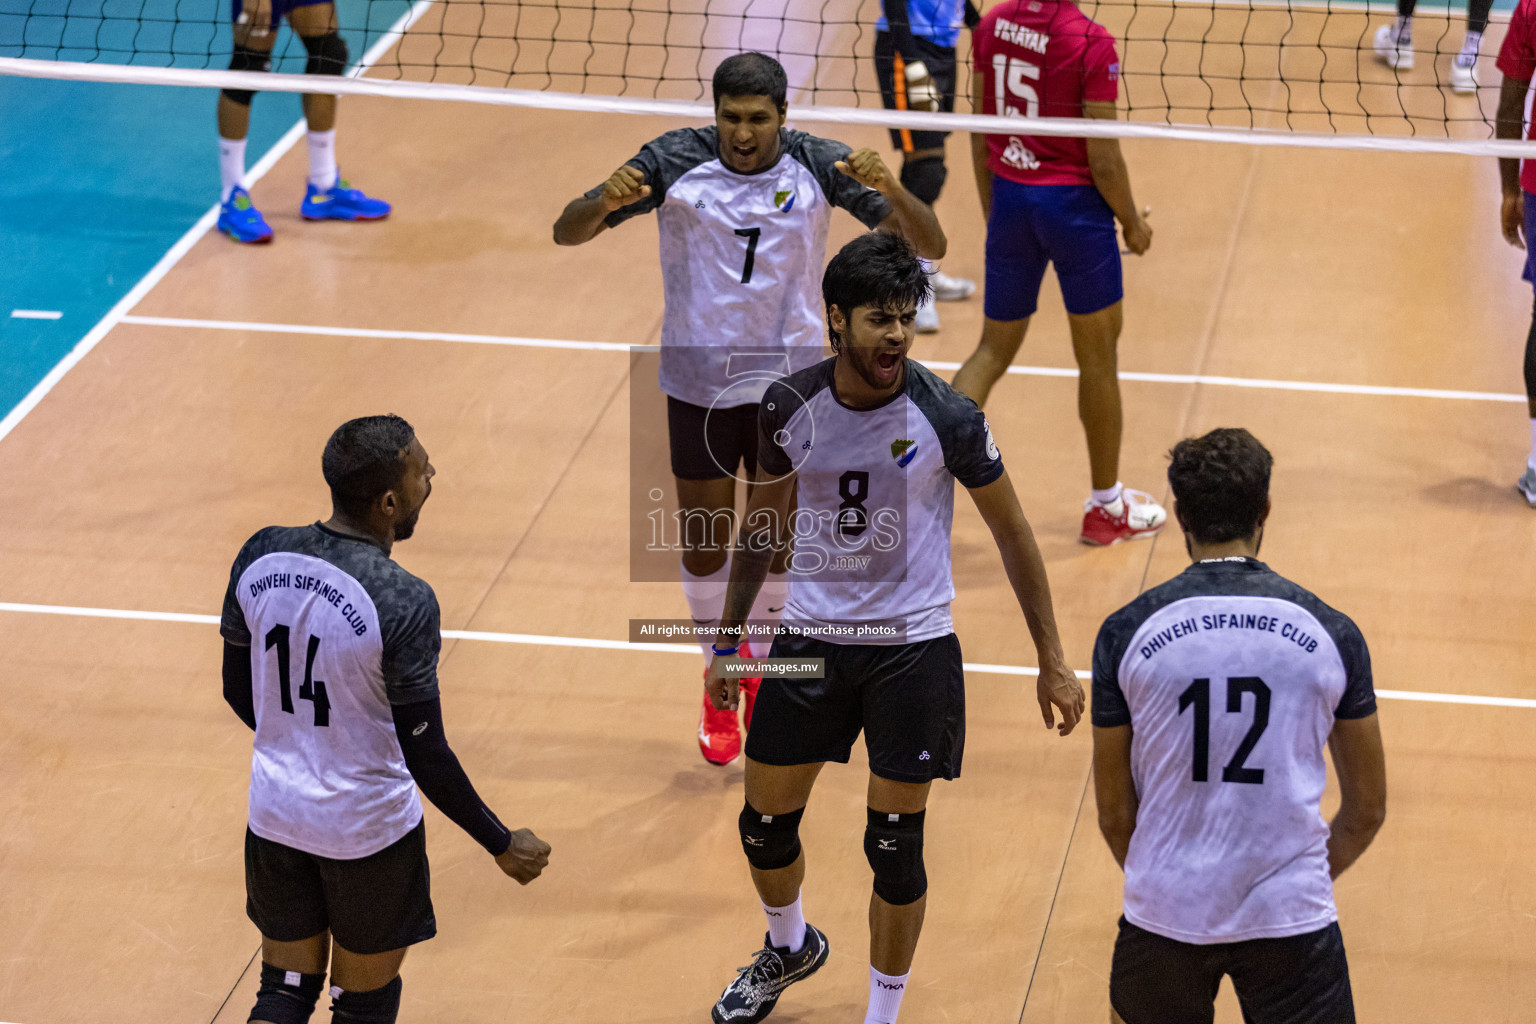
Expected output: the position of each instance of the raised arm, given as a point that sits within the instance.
(1361, 766)
(910, 217)
(1113, 181)
(582, 219)
(1511, 121)
(1114, 788)
(763, 527)
(1057, 685)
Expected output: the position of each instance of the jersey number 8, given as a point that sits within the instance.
(311, 689)
(1008, 78)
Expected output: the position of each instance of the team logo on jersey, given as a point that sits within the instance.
(992, 452)
(699, 205)
(903, 452)
(1114, 71)
(784, 200)
(1018, 155)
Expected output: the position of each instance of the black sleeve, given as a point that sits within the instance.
(778, 404)
(1359, 700)
(901, 29)
(437, 771)
(232, 624)
(663, 160)
(237, 683)
(820, 157)
(1109, 706)
(972, 16)
(413, 637)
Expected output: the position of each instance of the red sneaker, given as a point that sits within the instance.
(749, 685)
(1139, 516)
(719, 733)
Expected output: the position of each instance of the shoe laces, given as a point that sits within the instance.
(762, 975)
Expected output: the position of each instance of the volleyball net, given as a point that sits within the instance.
(1258, 71)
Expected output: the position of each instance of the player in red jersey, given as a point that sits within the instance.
(1517, 60)
(1056, 200)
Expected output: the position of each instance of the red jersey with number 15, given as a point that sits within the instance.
(1517, 59)
(1043, 58)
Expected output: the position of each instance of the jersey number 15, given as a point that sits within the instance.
(311, 689)
(1011, 78)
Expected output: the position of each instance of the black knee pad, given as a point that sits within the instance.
(246, 59)
(381, 1006)
(772, 841)
(1530, 360)
(924, 177)
(327, 54)
(894, 845)
(286, 997)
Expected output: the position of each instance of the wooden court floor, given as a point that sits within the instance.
(133, 483)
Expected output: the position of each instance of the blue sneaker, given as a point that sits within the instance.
(341, 202)
(242, 221)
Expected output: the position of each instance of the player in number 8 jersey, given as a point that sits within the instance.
(1213, 698)
(330, 655)
(743, 208)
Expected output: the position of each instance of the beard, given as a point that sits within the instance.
(407, 526)
(863, 361)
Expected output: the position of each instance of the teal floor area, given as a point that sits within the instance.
(97, 180)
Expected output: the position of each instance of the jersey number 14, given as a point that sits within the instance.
(311, 689)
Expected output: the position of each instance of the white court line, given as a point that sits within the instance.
(184, 245)
(540, 640)
(36, 314)
(1032, 371)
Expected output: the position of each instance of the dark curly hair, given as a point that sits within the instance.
(364, 458)
(875, 269)
(1221, 482)
(751, 74)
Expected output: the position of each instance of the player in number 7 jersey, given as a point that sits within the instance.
(330, 655)
(743, 208)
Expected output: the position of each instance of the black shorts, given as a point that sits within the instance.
(371, 905)
(1302, 979)
(708, 444)
(940, 61)
(909, 699)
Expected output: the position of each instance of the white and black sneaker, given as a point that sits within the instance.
(1526, 485)
(757, 987)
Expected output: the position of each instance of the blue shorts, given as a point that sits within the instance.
(1070, 226)
(280, 9)
(1529, 273)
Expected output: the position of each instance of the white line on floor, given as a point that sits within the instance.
(540, 640)
(1029, 371)
(36, 314)
(184, 244)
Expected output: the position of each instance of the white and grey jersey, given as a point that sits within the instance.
(875, 501)
(741, 258)
(1230, 677)
(338, 632)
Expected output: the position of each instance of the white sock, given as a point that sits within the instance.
(1108, 496)
(1405, 30)
(767, 610)
(786, 925)
(1471, 45)
(885, 994)
(1532, 460)
(231, 166)
(322, 159)
(706, 600)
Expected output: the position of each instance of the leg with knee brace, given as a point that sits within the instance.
(286, 997)
(246, 59)
(327, 54)
(381, 1006)
(894, 845)
(924, 177)
(772, 841)
(1530, 365)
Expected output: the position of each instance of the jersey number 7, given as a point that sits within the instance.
(1011, 77)
(311, 689)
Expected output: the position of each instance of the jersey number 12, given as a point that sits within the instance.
(1198, 694)
(311, 689)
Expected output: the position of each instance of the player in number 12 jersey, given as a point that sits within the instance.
(743, 208)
